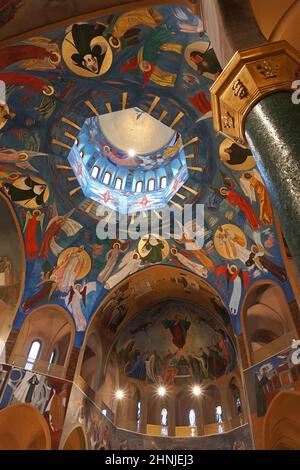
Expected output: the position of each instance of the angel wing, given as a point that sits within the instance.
(257, 175)
(55, 247)
(214, 200)
(222, 271)
(247, 189)
(26, 166)
(180, 14)
(71, 227)
(126, 259)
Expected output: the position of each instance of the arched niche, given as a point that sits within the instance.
(125, 308)
(281, 429)
(53, 327)
(143, 289)
(211, 398)
(12, 267)
(22, 427)
(105, 396)
(92, 359)
(236, 403)
(184, 402)
(278, 20)
(127, 409)
(266, 321)
(76, 440)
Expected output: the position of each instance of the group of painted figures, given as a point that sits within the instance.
(74, 265)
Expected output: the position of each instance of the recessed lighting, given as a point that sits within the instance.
(161, 391)
(131, 152)
(197, 391)
(119, 394)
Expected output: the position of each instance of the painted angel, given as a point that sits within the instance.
(228, 193)
(239, 280)
(20, 157)
(128, 265)
(58, 223)
(253, 186)
(184, 259)
(77, 297)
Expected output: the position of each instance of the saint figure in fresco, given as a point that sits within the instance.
(88, 56)
(206, 61)
(252, 185)
(179, 328)
(153, 247)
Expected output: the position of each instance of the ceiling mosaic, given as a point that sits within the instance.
(61, 88)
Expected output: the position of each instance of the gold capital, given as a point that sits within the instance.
(251, 75)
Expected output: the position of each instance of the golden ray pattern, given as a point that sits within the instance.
(71, 136)
(71, 123)
(177, 119)
(74, 191)
(61, 144)
(63, 167)
(108, 106)
(192, 141)
(124, 99)
(195, 168)
(92, 107)
(176, 204)
(163, 115)
(191, 190)
(90, 207)
(153, 104)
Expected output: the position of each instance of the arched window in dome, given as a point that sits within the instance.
(151, 184)
(33, 354)
(107, 177)
(118, 183)
(138, 186)
(95, 172)
(163, 182)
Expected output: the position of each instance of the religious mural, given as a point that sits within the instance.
(160, 61)
(49, 395)
(266, 380)
(98, 430)
(175, 340)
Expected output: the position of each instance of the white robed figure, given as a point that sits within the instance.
(235, 296)
(129, 265)
(196, 268)
(78, 293)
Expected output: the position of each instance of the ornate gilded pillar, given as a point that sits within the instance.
(252, 105)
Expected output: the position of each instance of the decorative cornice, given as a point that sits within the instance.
(249, 76)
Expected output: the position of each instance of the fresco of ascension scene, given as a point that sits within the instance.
(175, 340)
(60, 163)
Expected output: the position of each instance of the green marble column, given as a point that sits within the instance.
(273, 132)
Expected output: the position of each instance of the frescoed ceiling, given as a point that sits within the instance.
(160, 62)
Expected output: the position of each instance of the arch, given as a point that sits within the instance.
(53, 327)
(281, 430)
(22, 427)
(266, 321)
(13, 266)
(95, 171)
(211, 399)
(90, 369)
(161, 282)
(76, 440)
(184, 402)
